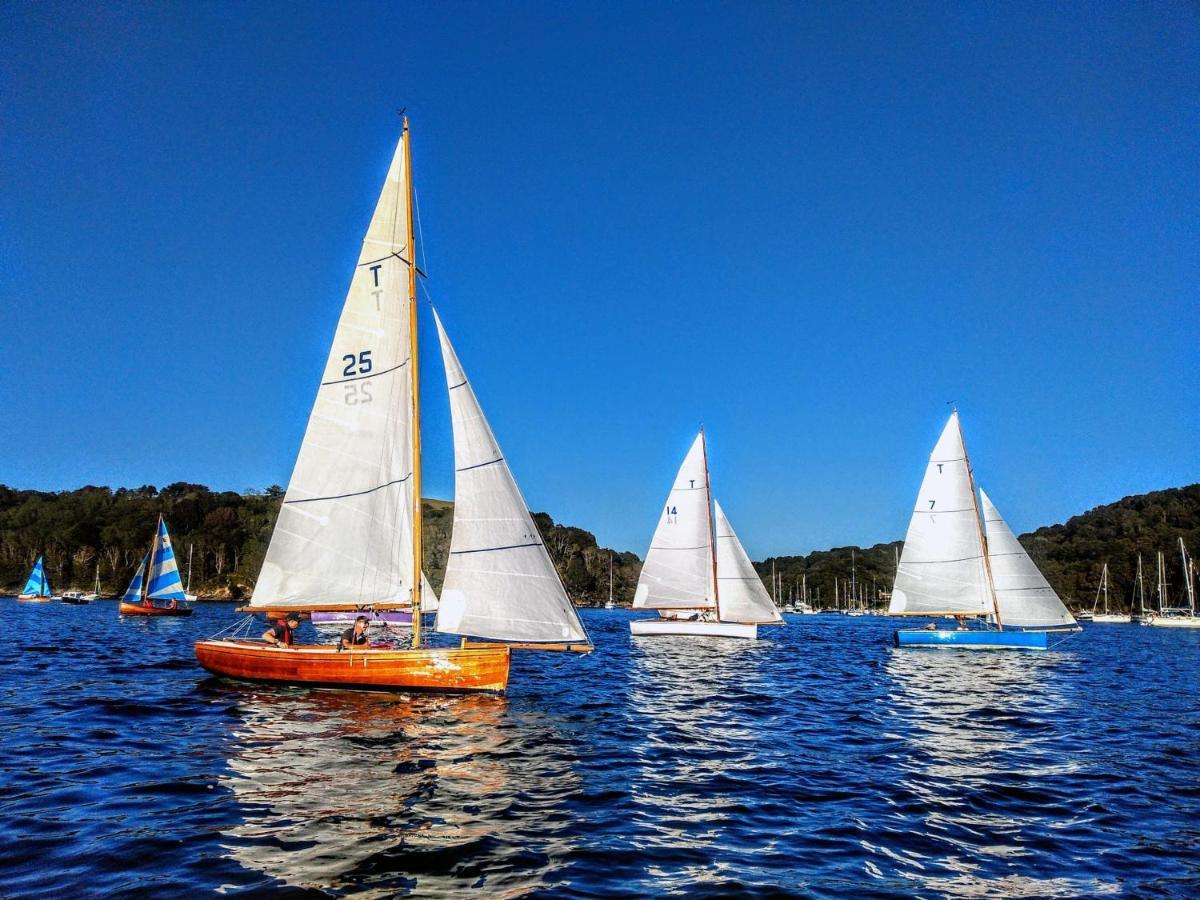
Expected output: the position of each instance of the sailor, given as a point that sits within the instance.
(281, 633)
(355, 637)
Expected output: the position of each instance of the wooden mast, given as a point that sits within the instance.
(414, 369)
(987, 561)
(150, 565)
(712, 532)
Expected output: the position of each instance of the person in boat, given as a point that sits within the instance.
(281, 634)
(355, 637)
(962, 622)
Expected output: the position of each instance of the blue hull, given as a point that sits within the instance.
(973, 640)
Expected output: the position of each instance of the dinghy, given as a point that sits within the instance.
(697, 575)
(37, 586)
(157, 579)
(349, 533)
(963, 564)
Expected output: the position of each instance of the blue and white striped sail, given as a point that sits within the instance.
(165, 583)
(38, 584)
(133, 593)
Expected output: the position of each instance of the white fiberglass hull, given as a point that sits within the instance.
(646, 627)
(1111, 618)
(1176, 621)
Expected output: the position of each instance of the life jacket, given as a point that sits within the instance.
(287, 632)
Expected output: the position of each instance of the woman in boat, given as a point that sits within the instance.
(355, 637)
(281, 633)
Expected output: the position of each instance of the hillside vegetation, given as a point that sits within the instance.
(228, 534)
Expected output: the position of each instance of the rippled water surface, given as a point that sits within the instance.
(818, 761)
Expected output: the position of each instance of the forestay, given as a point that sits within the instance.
(942, 566)
(678, 572)
(133, 593)
(344, 533)
(164, 583)
(742, 595)
(500, 582)
(1023, 595)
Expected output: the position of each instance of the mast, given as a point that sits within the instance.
(1162, 583)
(610, 582)
(150, 566)
(1141, 590)
(987, 562)
(188, 589)
(712, 528)
(414, 369)
(1187, 578)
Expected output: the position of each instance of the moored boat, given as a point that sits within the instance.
(697, 575)
(1177, 616)
(349, 535)
(156, 582)
(1105, 616)
(964, 563)
(37, 586)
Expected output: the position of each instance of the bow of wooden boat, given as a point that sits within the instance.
(477, 668)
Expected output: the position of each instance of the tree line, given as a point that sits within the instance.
(227, 534)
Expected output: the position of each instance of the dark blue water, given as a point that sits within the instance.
(818, 761)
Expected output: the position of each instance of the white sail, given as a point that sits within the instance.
(941, 569)
(1023, 595)
(500, 582)
(742, 595)
(344, 533)
(678, 572)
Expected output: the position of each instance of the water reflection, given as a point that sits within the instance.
(695, 700)
(978, 774)
(387, 793)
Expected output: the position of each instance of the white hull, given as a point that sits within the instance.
(1111, 618)
(1176, 621)
(646, 627)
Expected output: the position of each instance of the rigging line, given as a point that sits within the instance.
(371, 262)
(490, 462)
(420, 232)
(378, 487)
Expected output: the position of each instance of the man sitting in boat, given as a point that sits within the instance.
(281, 633)
(355, 637)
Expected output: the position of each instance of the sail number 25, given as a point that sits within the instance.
(357, 365)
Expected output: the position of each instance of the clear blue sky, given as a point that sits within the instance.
(806, 225)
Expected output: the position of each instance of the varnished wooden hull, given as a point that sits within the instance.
(428, 669)
(26, 598)
(136, 609)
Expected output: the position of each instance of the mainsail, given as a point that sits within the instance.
(165, 583)
(678, 572)
(345, 534)
(1024, 596)
(500, 582)
(133, 593)
(743, 597)
(38, 584)
(942, 568)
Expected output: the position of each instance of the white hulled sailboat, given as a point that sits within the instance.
(697, 574)
(961, 562)
(349, 534)
(1106, 617)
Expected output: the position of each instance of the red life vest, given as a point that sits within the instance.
(287, 632)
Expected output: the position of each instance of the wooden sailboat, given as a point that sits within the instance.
(1106, 617)
(349, 534)
(156, 588)
(37, 586)
(697, 575)
(1178, 616)
(963, 562)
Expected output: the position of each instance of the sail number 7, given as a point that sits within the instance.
(357, 365)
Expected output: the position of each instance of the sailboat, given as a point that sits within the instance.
(697, 575)
(349, 533)
(157, 578)
(1106, 616)
(1178, 616)
(610, 604)
(37, 587)
(1139, 614)
(95, 594)
(963, 562)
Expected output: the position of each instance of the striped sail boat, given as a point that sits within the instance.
(349, 534)
(156, 588)
(697, 575)
(961, 560)
(37, 586)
